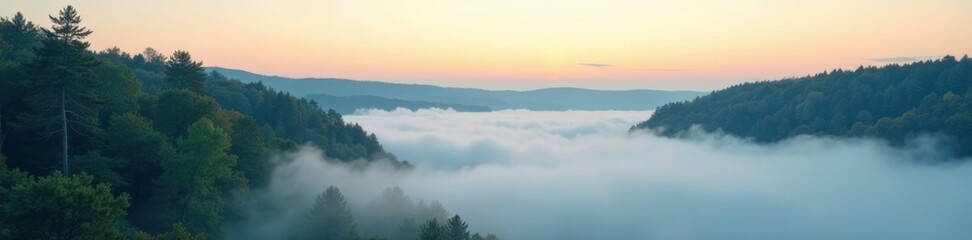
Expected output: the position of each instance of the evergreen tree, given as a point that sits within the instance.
(184, 73)
(477, 236)
(62, 97)
(330, 219)
(456, 229)
(384, 216)
(431, 230)
(20, 37)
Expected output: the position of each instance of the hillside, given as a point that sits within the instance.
(111, 145)
(541, 99)
(894, 102)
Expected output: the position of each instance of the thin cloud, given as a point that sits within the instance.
(903, 59)
(595, 65)
(662, 69)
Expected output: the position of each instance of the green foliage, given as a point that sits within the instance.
(456, 229)
(144, 125)
(59, 207)
(251, 149)
(296, 119)
(8, 179)
(196, 175)
(178, 108)
(117, 87)
(20, 37)
(385, 216)
(330, 218)
(3, 163)
(148, 67)
(179, 232)
(67, 27)
(183, 73)
(62, 88)
(431, 230)
(102, 169)
(131, 137)
(894, 102)
(377, 237)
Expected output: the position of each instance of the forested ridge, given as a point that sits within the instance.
(110, 145)
(893, 102)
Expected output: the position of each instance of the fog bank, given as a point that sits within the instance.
(580, 175)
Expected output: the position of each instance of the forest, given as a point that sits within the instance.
(897, 103)
(110, 145)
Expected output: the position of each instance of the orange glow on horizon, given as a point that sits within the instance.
(700, 45)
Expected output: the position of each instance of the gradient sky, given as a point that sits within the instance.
(699, 45)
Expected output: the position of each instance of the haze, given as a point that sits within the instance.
(690, 45)
(577, 175)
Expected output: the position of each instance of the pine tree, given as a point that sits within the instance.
(20, 37)
(62, 97)
(330, 219)
(477, 236)
(184, 73)
(431, 230)
(456, 229)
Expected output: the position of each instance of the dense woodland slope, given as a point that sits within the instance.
(547, 99)
(894, 102)
(109, 145)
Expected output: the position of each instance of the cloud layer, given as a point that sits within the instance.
(580, 175)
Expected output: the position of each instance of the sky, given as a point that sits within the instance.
(506, 44)
(581, 175)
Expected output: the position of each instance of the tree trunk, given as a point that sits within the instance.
(64, 134)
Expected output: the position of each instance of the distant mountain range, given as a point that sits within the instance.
(349, 104)
(345, 95)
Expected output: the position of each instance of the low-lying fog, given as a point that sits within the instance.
(581, 175)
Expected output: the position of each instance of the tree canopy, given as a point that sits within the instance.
(60, 207)
(184, 73)
(157, 148)
(894, 102)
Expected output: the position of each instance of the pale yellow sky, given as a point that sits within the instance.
(500, 44)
